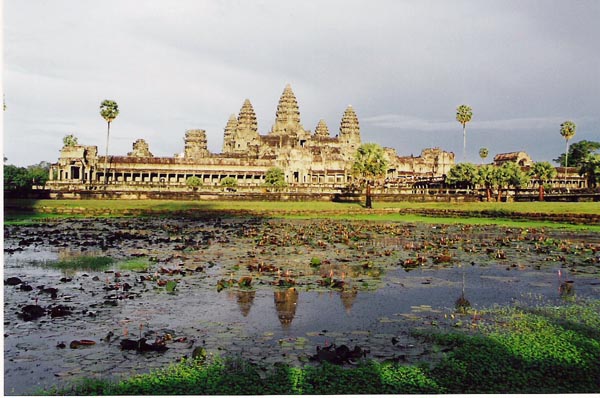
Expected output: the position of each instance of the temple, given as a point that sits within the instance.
(307, 159)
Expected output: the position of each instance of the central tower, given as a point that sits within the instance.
(287, 118)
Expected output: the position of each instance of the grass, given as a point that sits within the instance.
(539, 350)
(135, 264)
(99, 263)
(414, 218)
(87, 263)
(29, 211)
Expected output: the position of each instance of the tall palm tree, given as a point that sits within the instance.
(370, 163)
(567, 130)
(109, 110)
(483, 153)
(464, 113)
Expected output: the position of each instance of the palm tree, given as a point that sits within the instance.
(483, 153)
(567, 130)
(486, 176)
(109, 110)
(464, 113)
(542, 172)
(370, 163)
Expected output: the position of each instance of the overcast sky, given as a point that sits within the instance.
(523, 66)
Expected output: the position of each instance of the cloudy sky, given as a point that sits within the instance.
(523, 66)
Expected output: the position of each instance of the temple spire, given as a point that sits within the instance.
(247, 118)
(287, 118)
(229, 136)
(322, 130)
(349, 127)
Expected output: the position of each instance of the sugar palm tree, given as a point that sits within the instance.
(567, 130)
(464, 113)
(483, 153)
(370, 163)
(486, 176)
(542, 172)
(109, 110)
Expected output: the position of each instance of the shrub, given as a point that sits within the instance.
(275, 178)
(229, 182)
(193, 182)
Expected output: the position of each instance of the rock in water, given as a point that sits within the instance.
(60, 310)
(128, 344)
(31, 312)
(13, 281)
(141, 345)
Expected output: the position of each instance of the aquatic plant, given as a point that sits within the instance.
(87, 263)
(134, 264)
(315, 262)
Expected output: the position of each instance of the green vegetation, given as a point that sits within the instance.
(135, 264)
(507, 350)
(22, 179)
(70, 140)
(19, 211)
(483, 153)
(590, 168)
(229, 182)
(462, 175)
(542, 172)
(464, 114)
(567, 130)
(543, 350)
(578, 152)
(370, 164)
(275, 178)
(193, 182)
(87, 263)
(109, 110)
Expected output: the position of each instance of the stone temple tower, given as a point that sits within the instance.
(350, 129)
(195, 144)
(228, 137)
(243, 132)
(322, 130)
(287, 118)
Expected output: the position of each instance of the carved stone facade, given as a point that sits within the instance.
(307, 159)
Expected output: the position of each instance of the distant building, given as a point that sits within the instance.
(520, 158)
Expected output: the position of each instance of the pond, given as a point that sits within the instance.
(267, 290)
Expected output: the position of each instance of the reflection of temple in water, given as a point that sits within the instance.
(245, 299)
(348, 297)
(285, 305)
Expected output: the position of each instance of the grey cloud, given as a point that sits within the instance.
(405, 122)
(523, 66)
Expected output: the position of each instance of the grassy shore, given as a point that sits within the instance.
(503, 350)
(532, 214)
